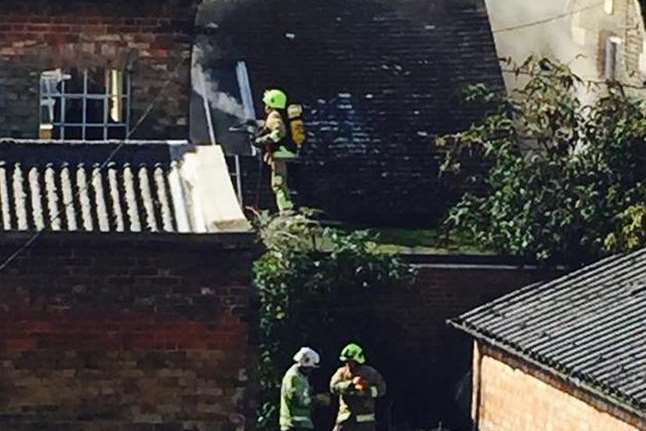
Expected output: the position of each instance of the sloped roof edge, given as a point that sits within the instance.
(576, 327)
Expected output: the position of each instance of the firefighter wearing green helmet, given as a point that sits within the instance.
(357, 385)
(272, 138)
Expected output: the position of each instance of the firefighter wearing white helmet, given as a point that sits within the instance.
(295, 392)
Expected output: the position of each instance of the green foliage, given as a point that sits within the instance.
(631, 233)
(561, 173)
(307, 279)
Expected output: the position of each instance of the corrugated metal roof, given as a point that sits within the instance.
(60, 187)
(589, 326)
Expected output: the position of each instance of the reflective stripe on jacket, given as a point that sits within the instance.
(353, 404)
(295, 401)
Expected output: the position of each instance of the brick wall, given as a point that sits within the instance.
(126, 333)
(154, 334)
(151, 38)
(514, 396)
(426, 363)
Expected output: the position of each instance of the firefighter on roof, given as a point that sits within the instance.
(273, 138)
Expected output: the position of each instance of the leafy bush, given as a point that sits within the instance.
(307, 280)
(631, 232)
(562, 173)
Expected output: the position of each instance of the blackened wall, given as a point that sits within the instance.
(151, 39)
(380, 79)
(126, 333)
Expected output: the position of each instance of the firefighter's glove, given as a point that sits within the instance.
(362, 386)
(261, 141)
(360, 382)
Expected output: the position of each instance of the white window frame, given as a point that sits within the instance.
(609, 6)
(48, 96)
(611, 58)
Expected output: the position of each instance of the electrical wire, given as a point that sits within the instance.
(585, 81)
(11, 258)
(546, 20)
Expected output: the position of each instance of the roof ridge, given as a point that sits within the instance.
(572, 277)
(586, 327)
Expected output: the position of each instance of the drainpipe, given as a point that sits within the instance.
(477, 386)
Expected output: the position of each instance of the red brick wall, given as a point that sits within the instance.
(156, 333)
(153, 37)
(514, 396)
(124, 334)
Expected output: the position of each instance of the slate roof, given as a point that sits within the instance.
(59, 187)
(589, 327)
(379, 79)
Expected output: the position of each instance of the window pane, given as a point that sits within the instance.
(94, 133)
(96, 80)
(73, 110)
(50, 82)
(73, 133)
(115, 84)
(50, 110)
(94, 111)
(74, 85)
(118, 110)
(117, 133)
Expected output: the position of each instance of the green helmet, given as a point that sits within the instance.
(275, 98)
(353, 352)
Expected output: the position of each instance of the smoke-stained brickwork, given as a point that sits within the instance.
(126, 333)
(150, 40)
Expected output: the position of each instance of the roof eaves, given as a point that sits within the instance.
(129, 142)
(534, 359)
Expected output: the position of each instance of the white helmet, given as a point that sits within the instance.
(307, 357)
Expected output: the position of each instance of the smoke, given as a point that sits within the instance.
(561, 37)
(208, 88)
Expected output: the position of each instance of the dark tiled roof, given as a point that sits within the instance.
(589, 327)
(59, 186)
(379, 78)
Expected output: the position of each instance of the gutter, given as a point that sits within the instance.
(581, 384)
(131, 142)
(230, 240)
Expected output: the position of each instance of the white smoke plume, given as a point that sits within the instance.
(208, 88)
(518, 33)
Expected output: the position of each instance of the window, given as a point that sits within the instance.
(609, 6)
(611, 58)
(89, 104)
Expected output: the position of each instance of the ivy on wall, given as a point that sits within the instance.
(308, 279)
